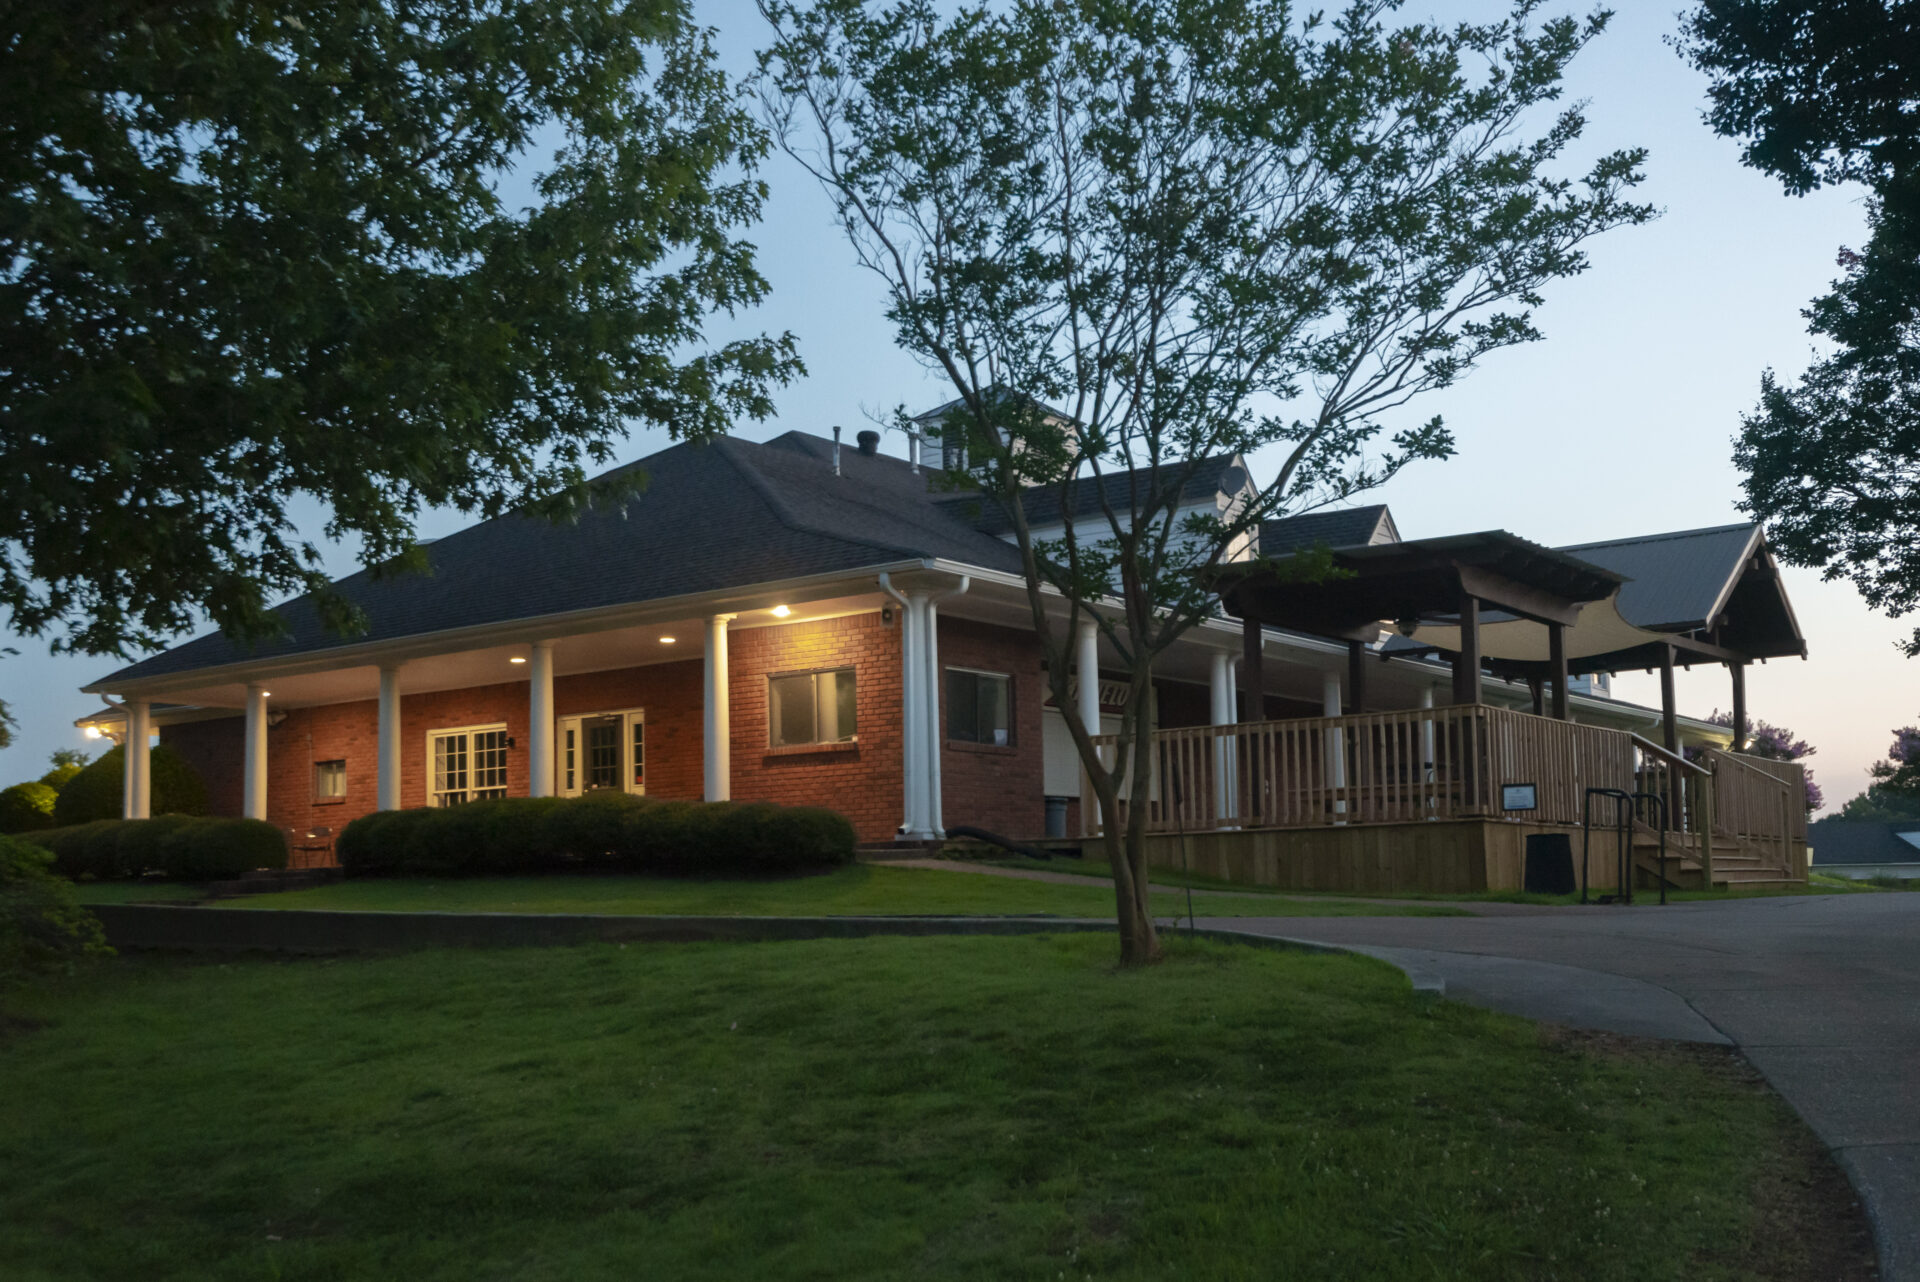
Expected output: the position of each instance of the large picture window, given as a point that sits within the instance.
(468, 764)
(811, 707)
(979, 707)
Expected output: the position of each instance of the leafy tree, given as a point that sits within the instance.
(1895, 790)
(1822, 93)
(251, 251)
(26, 807)
(1136, 237)
(42, 926)
(67, 762)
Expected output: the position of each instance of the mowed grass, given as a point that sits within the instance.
(856, 890)
(939, 1108)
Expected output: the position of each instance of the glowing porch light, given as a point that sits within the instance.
(780, 612)
(516, 659)
(667, 640)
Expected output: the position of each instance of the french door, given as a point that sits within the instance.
(602, 752)
(467, 764)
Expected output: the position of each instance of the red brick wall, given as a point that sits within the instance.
(216, 750)
(999, 789)
(863, 780)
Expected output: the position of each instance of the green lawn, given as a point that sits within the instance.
(146, 890)
(857, 890)
(933, 1108)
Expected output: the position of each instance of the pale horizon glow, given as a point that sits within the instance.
(1618, 424)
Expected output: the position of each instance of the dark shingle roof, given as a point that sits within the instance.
(1340, 528)
(1220, 474)
(1675, 582)
(1854, 841)
(729, 513)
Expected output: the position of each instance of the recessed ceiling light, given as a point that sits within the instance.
(781, 611)
(266, 694)
(666, 640)
(516, 659)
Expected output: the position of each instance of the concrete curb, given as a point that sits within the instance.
(191, 928)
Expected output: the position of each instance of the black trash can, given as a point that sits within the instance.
(1550, 864)
(1056, 816)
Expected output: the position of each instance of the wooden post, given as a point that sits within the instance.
(1356, 678)
(1670, 735)
(1557, 661)
(1253, 686)
(1705, 816)
(1739, 673)
(1466, 663)
(1536, 687)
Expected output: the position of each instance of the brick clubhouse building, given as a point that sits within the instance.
(787, 621)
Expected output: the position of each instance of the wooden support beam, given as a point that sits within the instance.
(1356, 678)
(1253, 684)
(1557, 665)
(1669, 715)
(1536, 686)
(1739, 673)
(1466, 662)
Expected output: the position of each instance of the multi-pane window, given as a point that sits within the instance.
(467, 765)
(329, 779)
(979, 707)
(603, 752)
(811, 707)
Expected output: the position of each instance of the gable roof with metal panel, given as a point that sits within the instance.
(1336, 528)
(1856, 841)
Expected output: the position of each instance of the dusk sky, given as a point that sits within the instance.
(1618, 424)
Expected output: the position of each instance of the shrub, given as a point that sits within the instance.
(95, 793)
(182, 847)
(610, 831)
(26, 807)
(41, 925)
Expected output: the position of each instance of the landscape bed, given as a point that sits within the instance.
(938, 1108)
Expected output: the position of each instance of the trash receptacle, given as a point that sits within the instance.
(1056, 816)
(1550, 864)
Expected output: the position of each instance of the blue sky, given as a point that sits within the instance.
(1619, 423)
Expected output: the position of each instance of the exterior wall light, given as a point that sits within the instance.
(516, 659)
(92, 732)
(780, 612)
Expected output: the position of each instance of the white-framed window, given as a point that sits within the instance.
(811, 707)
(329, 780)
(603, 752)
(465, 764)
(979, 707)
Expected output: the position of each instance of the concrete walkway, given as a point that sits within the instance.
(1820, 993)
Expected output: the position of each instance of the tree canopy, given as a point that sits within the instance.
(251, 251)
(1895, 790)
(1137, 238)
(1823, 93)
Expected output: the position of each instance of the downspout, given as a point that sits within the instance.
(932, 690)
(912, 741)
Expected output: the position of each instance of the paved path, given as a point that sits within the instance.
(1821, 993)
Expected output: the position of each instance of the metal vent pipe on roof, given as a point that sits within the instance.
(836, 449)
(869, 442)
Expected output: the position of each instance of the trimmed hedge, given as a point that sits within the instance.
(96, 792)
(41, 926)
(609, 831)
(182, 847)
(27, 807)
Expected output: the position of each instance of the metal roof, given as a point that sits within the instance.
(1675, 582)
(1855, 841)
(1342, 527)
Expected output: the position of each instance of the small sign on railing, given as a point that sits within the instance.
(1519, 796)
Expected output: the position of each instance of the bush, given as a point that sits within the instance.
(41, 926)
(606, 831)
(96, 792)
(181, 847)
(26, 807)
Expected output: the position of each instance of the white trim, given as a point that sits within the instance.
(444, 732)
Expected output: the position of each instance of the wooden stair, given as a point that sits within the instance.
(1735, 863)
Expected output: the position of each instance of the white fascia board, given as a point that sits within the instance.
(545, 627)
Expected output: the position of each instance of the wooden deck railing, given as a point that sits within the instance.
(1456, 763)
(1378, 767)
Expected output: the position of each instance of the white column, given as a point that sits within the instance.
(918, 726)
(718, 725)
(253, 787)
(540, 720)
(136, 789)
(1426, 746)
(1221, 687)
(1086, 668)
(387, 790)
(1336, 739)
(936, 819)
